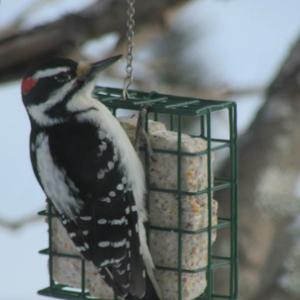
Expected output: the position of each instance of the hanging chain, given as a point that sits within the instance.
(142, 117)
(130, 44)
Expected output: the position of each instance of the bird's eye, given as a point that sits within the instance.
(62, 77)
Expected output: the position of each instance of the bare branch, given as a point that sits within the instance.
(23, 49)
(214, 93)
(20, 223)
(19, 20)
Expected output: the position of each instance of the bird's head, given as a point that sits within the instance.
(47, 88)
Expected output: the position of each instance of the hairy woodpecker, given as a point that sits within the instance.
(88, 168)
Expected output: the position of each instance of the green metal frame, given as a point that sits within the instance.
(175, 109)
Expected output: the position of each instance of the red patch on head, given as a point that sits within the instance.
(28, 84)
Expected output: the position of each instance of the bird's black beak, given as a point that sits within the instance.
(86, 72)
(103, 64)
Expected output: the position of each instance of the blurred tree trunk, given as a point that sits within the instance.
(268, 197)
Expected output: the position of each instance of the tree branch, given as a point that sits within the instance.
(269, 166)
(21, 17)
(20, 223)
(23, 49)
(212, 93)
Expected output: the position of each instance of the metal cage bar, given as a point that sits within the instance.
(234, 203)
(179, 208)
(50, 243)
(209, 289)
(175, 108)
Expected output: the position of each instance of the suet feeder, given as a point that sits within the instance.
(184, 221)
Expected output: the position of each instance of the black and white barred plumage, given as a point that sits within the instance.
(87, 166)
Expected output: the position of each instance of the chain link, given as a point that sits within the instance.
(130, 45)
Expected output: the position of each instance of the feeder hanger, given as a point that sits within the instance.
(140, 127)
(130, 23)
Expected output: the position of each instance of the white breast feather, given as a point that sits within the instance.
(54, 179)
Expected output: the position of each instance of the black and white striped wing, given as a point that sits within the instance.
(103, 223)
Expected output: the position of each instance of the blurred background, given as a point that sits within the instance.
(246, 51)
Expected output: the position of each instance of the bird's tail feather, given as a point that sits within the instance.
(150, 294)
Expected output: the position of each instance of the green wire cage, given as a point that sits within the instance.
(176, 112)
